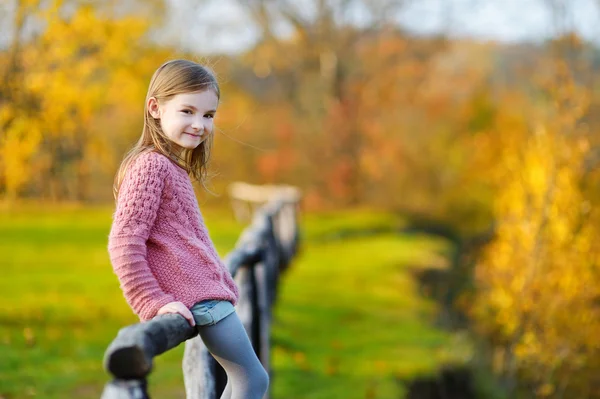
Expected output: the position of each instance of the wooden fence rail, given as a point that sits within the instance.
(264, 249)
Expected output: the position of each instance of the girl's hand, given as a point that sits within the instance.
(177, 307)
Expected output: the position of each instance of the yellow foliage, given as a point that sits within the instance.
(18, 142)
(537, 288)
(80, 65)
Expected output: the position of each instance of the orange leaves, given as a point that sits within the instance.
(274, 165)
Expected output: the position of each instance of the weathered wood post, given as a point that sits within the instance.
(129, 358)
(263, 250)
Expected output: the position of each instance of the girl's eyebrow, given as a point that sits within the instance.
(196, 109)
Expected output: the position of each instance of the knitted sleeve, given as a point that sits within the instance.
(137, 206)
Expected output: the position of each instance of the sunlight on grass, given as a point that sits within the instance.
(366, 324)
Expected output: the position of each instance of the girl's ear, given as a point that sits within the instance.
(153, 107)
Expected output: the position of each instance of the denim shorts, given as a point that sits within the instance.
(211, 311)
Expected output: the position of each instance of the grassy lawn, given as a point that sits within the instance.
(349, 322)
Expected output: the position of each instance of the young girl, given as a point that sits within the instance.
(158, 244)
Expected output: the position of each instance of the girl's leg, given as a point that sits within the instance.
(227, 391)
(228, 342)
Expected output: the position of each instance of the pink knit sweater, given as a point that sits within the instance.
(158, 244)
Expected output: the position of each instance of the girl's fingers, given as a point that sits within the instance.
(190, 317)
(162, 310)
(180, 309)
(185, 312)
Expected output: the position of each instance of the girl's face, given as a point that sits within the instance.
(187, 118)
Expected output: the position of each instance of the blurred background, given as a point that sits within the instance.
(447, 151)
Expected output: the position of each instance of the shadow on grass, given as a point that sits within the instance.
(444, 286)
(451, 382)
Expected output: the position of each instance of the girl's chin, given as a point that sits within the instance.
(190, 143)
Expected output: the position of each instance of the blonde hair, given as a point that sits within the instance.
(172, 78)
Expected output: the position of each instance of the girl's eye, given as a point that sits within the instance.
(209, 116)
(187, 111)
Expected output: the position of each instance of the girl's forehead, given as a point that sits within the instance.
(198, 99)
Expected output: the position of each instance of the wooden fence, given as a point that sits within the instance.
(264, 249)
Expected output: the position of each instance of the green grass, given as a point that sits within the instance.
(349, 322)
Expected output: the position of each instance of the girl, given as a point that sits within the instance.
(158, 244)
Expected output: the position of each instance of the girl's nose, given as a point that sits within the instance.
(197, 124)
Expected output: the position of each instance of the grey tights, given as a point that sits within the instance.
(228, 342)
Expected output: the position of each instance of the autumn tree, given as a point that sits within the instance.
(323, 78)
(536, 301)
(58, 84)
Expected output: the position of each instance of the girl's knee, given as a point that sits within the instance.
(260, 381)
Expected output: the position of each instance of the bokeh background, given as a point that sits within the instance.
(447, 151)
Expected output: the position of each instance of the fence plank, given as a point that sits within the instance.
(130, 354)
(198, 370)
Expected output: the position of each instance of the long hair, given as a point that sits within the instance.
(172, 78)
